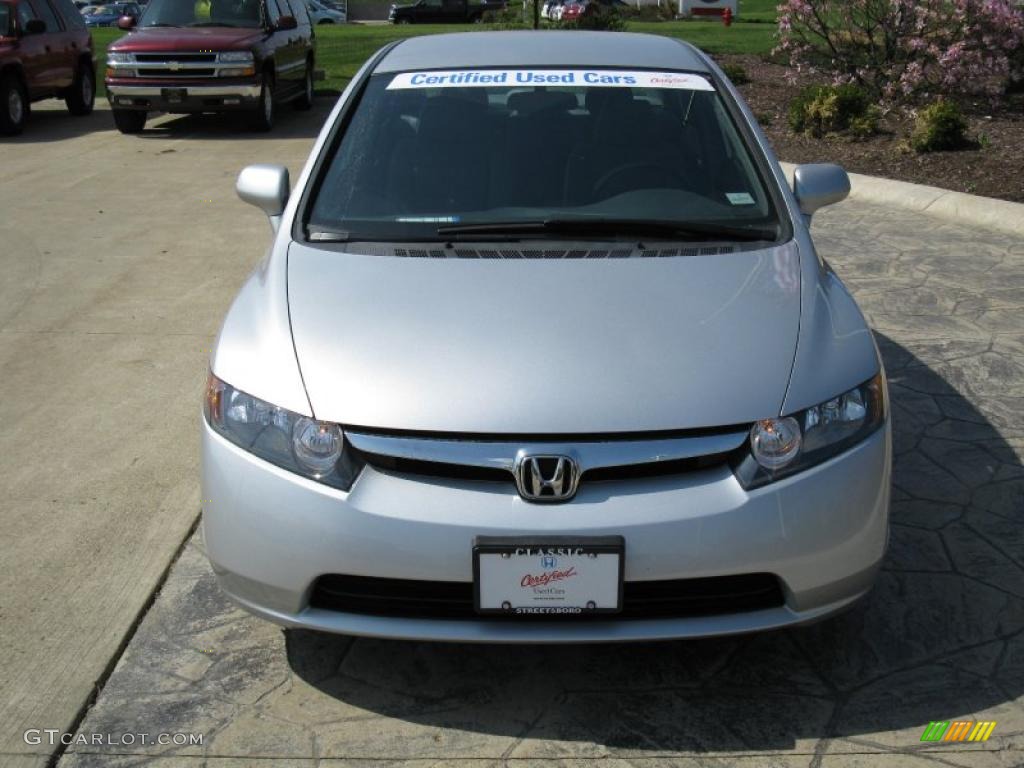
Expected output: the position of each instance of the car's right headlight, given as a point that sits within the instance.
(314, 449)
(781, 446)
(120, 59)
(235, 57)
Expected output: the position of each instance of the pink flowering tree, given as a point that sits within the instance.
(904, 49)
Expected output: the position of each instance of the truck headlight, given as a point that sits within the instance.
(782, 446)
(120, 59)
(314, 449)
(235, 57)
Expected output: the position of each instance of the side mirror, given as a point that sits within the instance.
(285, 23)
(35, 27)
(819, 184)
(126, 22)
(267, 187)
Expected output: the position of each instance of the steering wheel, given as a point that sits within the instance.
(621, 170)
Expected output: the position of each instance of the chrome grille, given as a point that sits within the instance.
(598, 457)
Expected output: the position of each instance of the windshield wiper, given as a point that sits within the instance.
(322, 234)
(662, 228)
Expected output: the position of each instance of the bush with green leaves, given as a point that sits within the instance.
(939, 126)
(827, 109)
(737, 73)
(598, 18)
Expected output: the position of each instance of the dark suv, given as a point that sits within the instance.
(211, 56)
(45, 52)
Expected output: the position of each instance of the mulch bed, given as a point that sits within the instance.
(995, 169)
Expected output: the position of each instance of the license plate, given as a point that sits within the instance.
(569, 576)
(174, 95)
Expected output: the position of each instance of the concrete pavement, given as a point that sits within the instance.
(119, 256)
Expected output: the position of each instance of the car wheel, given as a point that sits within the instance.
(404, 21)
(129, 120)
(82, 95)
(13, 105)
(325, 21)
(263, 119)
(305, 101)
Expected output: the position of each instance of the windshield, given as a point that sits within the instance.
(6, 20)
(499, 151)
(203, 13)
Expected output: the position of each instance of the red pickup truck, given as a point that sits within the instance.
(45, 52)
(211, 56)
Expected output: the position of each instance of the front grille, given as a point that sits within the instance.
(176, 65)
(677, 598)
(497, 475)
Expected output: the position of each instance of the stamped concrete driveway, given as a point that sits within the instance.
(940, 638)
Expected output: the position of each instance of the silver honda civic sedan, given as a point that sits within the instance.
(542, 351)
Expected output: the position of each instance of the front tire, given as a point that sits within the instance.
(130, 120)
(305, 101)
(13, 105)
(82, 96)
(263, 118)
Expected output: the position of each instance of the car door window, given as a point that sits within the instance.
(45, 12)
(25, 15)
(72, 16)
(298, 11)
(273, 12)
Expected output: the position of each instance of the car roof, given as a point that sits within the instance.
(548, 48)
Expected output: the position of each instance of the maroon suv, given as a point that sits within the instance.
(45, 52)
(212, 56)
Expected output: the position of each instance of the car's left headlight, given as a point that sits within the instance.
(314, 449)
(779, 447)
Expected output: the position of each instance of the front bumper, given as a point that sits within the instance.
(270, 534)
(220, 97)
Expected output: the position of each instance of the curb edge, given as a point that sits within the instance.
(957, 207)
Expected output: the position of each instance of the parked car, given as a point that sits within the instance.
(442, 12)
(552, 9)
(608, 391)
(571, 10)
(222, 56)
(319, 13)
(45, 52)
(109, 15)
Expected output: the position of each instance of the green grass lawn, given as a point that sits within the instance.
(341, 50)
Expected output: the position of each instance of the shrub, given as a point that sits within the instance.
(938, 127)
(512, 16)
(736, 73)
(905, 49)
(821, 109)
(596, 18)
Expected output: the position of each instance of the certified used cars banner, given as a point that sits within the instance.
(553, 77)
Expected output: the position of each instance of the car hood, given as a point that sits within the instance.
(544, 346)
(188, 39)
